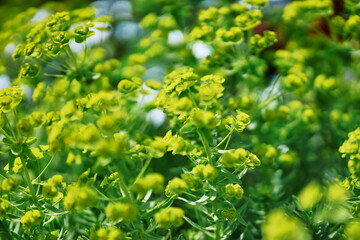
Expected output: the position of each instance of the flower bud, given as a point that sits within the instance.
(205, 119)
(176, 186)
(4, 207)
(6, 103)
(171, 216)
(198, 171)
(126, 86)
(79, 197)
(310, 195)
(192, 182)
(31, 218)
(117, 211)
(49, 190)
(37, 119)
(25, 127)
(209, 172)
(9, 185)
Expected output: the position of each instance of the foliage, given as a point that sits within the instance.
(258, 114)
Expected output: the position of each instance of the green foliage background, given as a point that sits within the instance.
(180, 120)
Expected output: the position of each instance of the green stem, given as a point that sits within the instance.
(63, 65)
(273, 87)
(143, 169)
(227, 143)
(6, 135)
(59, 68)
(124, 189)
(16, 115)
(54, 75)
(105, 198)
(42, 234)
(192, 99)
(27, 177)
(206, 146)
(158, 206)
(46, 167)
(85, 53)
(214, 203)
(71, 55)
(248, 37)
(217, 226)
(11, 129)
(5, 226)
(267, 102)
(227, 136)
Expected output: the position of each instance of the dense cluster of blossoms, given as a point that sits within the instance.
(85, 159)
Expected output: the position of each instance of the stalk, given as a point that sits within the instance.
(28, 181)
(214, 203)
(217, 226)
(11, 129)
(224, 139)
(206, 146)
(124, 189)
(6, 135)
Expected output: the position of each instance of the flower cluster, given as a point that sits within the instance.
(180, 120)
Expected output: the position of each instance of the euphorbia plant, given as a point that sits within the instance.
(85, 159)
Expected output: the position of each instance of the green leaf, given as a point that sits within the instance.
(206, 134)
(230, 230)
(17, 236)
(163, 204)
(31, 140)
(187, 127)
(11, 161)
(6, 140)
(52, 208)
(30, 154)
(243, 208)
(241, 220)
(201, 201)
(16, 149)
(227, 174)
(198, 227)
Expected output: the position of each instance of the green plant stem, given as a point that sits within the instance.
(42, 234)
(46, 167)
(206, 146)
(59, 68)
(227, 143)
(5, 226)
(16, 115)
(159, 205)
(6, 135)
(214, 203)
(192, 99)
(63, 65)
(8, 123)
(85, 53)
(124, 189)
(54, 75)
(143, 169)
(226, 137)
(27, 177)
(248, 37)
(217, 226)
(104, 197)
(273, 87)
(71, 55)
(267, 102)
